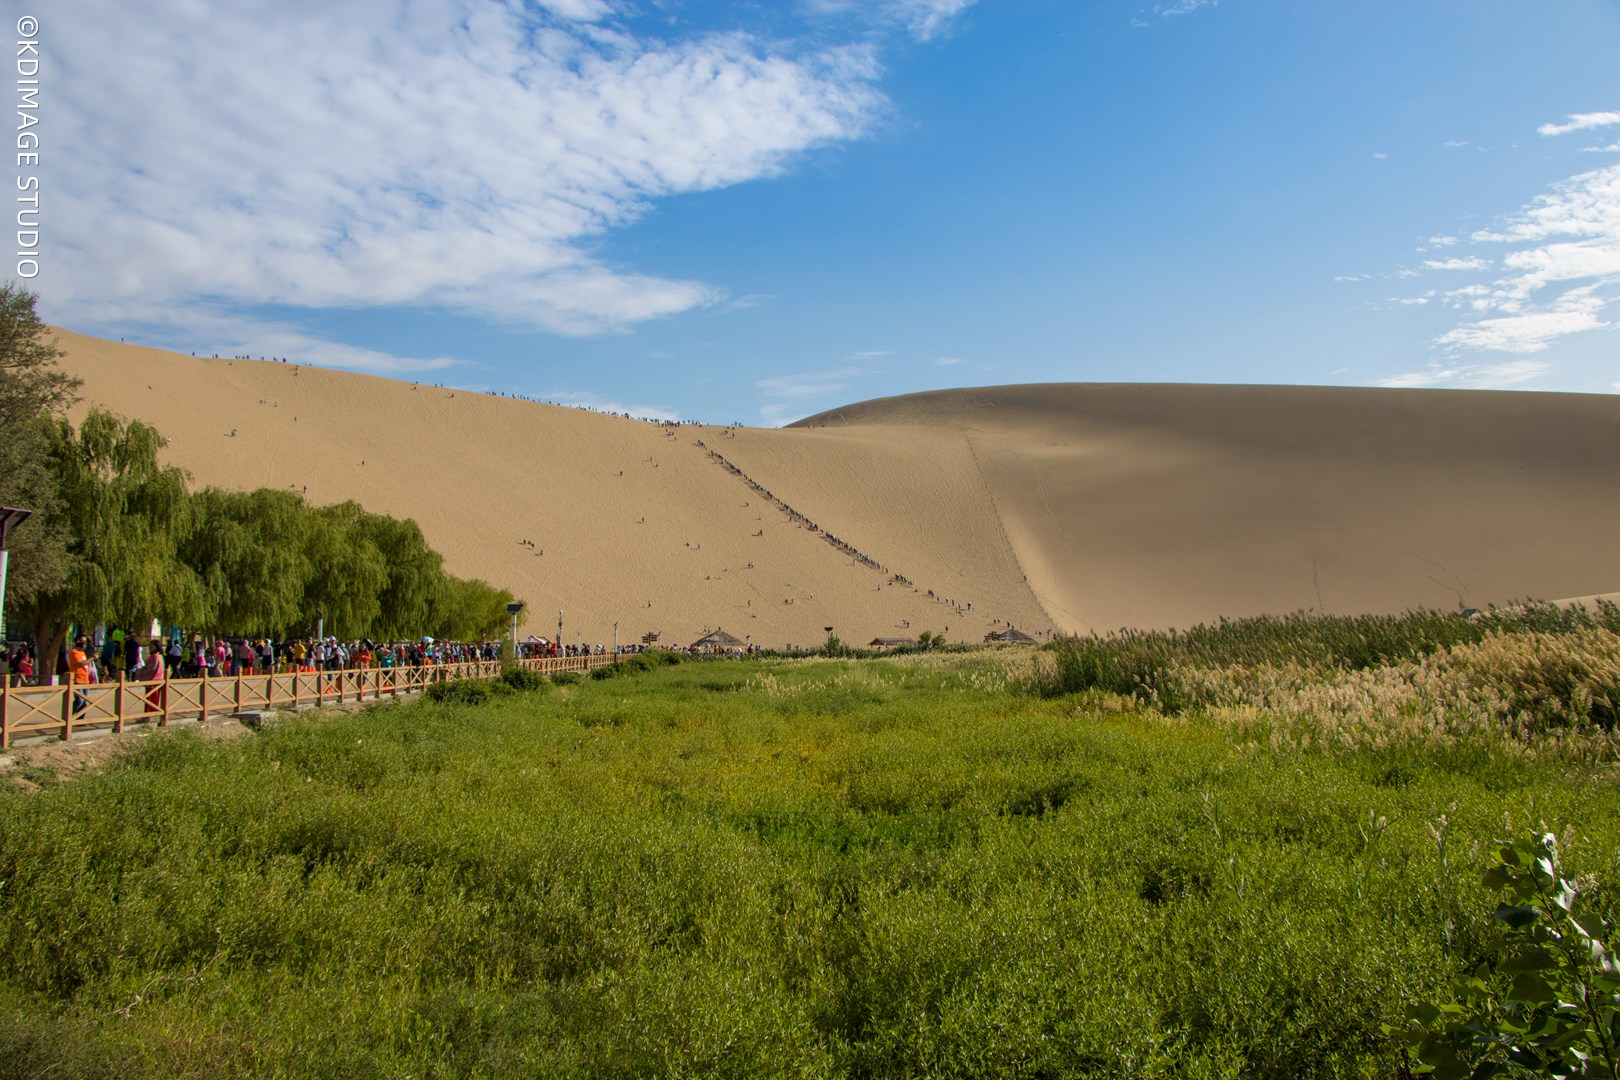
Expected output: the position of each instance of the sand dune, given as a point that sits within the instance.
(639, 526)
(1067, 507)
(1167, 505)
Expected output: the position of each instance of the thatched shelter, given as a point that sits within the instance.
(717, 639)
(1012, 636)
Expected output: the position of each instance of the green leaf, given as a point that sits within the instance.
(1517, 916)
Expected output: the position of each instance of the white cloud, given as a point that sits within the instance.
(808, 385)
(1352, 277)
(873, 354)
(1580, 122)
(458, 154)
(1380, 155)
(928, 18)
(1530, 331)
(586, 400)
(1472, 263)
(923, 19)
(1410, 301)
(1181, 7)
(579, 10)
(1563, 271)
(1171, 9)
(1505, 376)
(789, 397)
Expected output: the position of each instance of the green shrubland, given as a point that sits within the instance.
(795, 868)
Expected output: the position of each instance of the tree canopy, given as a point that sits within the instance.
(118, 537)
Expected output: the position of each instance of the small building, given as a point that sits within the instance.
(717, 640)
(1011, 636)
(891, 642)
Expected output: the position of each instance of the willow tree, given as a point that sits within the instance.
(416, 580)
(127, 516)
(349, 573)
(473, 610)
(251, 550)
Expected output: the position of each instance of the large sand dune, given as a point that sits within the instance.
(1051, 507)
(1165, 505)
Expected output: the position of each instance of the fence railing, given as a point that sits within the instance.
(62, 710)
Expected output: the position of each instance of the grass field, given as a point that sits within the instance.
(921, 867)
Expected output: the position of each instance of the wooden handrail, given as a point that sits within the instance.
(35, 710)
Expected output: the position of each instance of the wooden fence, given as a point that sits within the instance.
(112, 706)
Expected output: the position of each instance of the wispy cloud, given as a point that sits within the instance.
(1181, 7)
(1562, 270)
(1580, 122)
(1513, 374)
(1558, 277)
(595, 403)
(1530, 331)
(452, 154)
(789, 397)
(1172, 9)
(924, 20)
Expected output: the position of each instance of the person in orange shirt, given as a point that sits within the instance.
(79, 673)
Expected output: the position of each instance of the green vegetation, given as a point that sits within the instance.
(1535, 668)
(801, 868)
(1546, 999)
(119, 538)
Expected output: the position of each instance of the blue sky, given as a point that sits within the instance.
(753, 211)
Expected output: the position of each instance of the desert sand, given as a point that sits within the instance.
(1065, 508)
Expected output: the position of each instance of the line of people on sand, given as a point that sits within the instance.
(799, 519)
(961, 607)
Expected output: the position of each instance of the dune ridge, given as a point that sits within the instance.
(1165, 505)
(1071, 507)
(637, 525)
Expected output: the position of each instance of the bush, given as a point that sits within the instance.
(461, 692)
(566, 678)
(521, 678)
(1545, 999)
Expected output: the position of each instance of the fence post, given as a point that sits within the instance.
(163, 721)
(296, 676)
(118, 706)
(202, 697)
(67, 708)
(5, 714)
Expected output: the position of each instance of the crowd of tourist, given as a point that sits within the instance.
(128, 656)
